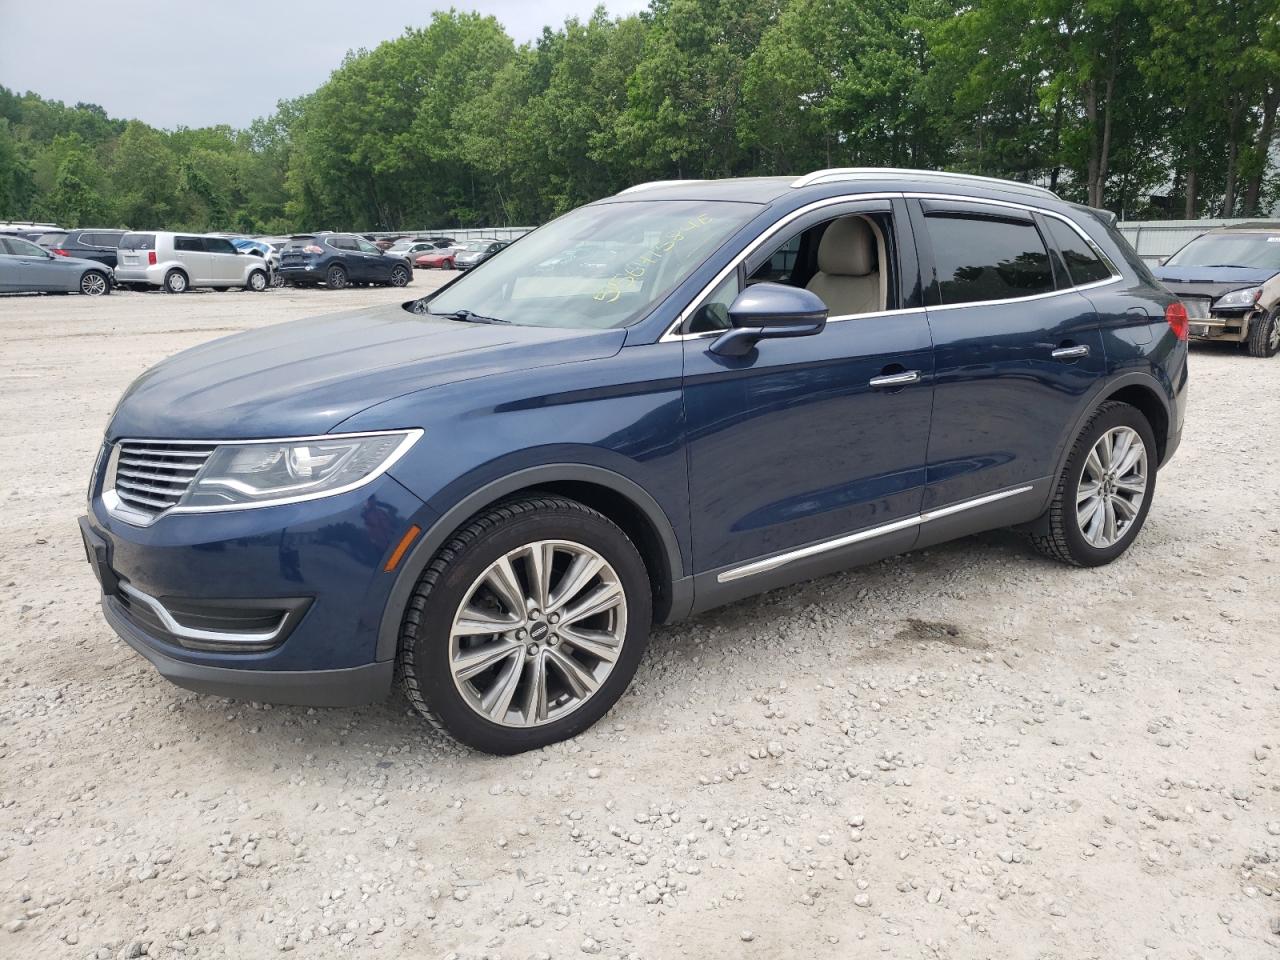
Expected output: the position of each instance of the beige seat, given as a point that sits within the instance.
(849, 278)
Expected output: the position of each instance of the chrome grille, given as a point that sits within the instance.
(153, 476)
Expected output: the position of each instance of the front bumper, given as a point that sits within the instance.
(315, 569)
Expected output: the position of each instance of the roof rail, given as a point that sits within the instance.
(655, 183)
(836, 174)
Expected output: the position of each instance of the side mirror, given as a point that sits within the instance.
(768, 311)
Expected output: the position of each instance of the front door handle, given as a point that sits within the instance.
(896, 379)
(1071, 353)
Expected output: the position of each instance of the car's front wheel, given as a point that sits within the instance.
(1105, 489)
(94, 283)
(527, 626)
(1264, 335)
(257, 281)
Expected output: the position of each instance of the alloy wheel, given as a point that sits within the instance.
(399, 277)
(537, 633)
(1113, 483)
(336, 278)
(93, 284)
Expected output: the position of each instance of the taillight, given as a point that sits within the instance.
(151, 258)
(311, 248)
(1175, 314)
(60, 252)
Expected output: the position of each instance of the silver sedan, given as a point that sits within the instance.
(27, 268)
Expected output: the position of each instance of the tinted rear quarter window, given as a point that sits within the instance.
(1083, 264)
(138, 241)
(51, 239)
(979, 258)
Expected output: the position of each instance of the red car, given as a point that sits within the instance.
(442, 259)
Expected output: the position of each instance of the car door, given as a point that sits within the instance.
(14, 270)
(802, 457)
(375, 266)
(190, 252)
(1016, 353)
(225, 262)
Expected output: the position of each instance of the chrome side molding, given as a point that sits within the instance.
(816, 549)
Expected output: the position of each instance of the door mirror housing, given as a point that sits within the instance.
(770, 311)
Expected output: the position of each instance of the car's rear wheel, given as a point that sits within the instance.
(257, 281)
(1105, 489)
(175, 281)
(94, 283)
(399, 276)
(1264, 335)
(335, 278)
(527, 626)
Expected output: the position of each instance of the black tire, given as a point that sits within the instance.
(1264, 335)
(221, 289)
(423, 656)
(335, 278)
(257, 281)
(175, 281)
(95, 283)
(1057, 534)
(400, 276)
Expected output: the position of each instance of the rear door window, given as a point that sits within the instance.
(1083, 264)
(982, 258)
(189, 244)
(219, 245)
(138, 241)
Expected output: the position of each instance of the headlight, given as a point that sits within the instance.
(283, 471)
(1239, 298)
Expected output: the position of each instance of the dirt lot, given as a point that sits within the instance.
(967, 752)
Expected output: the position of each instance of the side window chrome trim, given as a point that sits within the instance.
(840, 319)
(778, 225)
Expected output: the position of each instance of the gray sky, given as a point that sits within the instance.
(197, 64)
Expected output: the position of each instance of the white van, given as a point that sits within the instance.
(179, 261)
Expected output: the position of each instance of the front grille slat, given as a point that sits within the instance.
(151, 476)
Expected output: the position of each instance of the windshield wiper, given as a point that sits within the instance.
(1216, 266)
(469, 316)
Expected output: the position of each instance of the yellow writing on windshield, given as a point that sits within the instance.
(635, 269)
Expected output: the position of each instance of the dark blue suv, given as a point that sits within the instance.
(495, 490)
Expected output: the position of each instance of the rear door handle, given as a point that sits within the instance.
(1071, 353)
(896, 379)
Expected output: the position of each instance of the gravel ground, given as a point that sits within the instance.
(964, 752)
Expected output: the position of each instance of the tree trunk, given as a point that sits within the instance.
(1056, 145)
(1233, 155)
(1104, 159)
(1091, 114)
(1262, 146)
(1189, 212)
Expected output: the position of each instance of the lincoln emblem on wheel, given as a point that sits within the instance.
(662, 402)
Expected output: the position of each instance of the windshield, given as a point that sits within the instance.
(1258, 250)
(641, 251)
(477, 246)
(403, 244)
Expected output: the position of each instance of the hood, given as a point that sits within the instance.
(306, 377)
(1231, 278)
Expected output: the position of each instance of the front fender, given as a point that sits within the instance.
(479, 497)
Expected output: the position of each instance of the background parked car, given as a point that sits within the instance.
(28, 268)
(28, 230)
(86, 244)
(176, 262)
(476, 252)
(440, 258)
(340, 259)
(411, 248)
(1229, 281)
